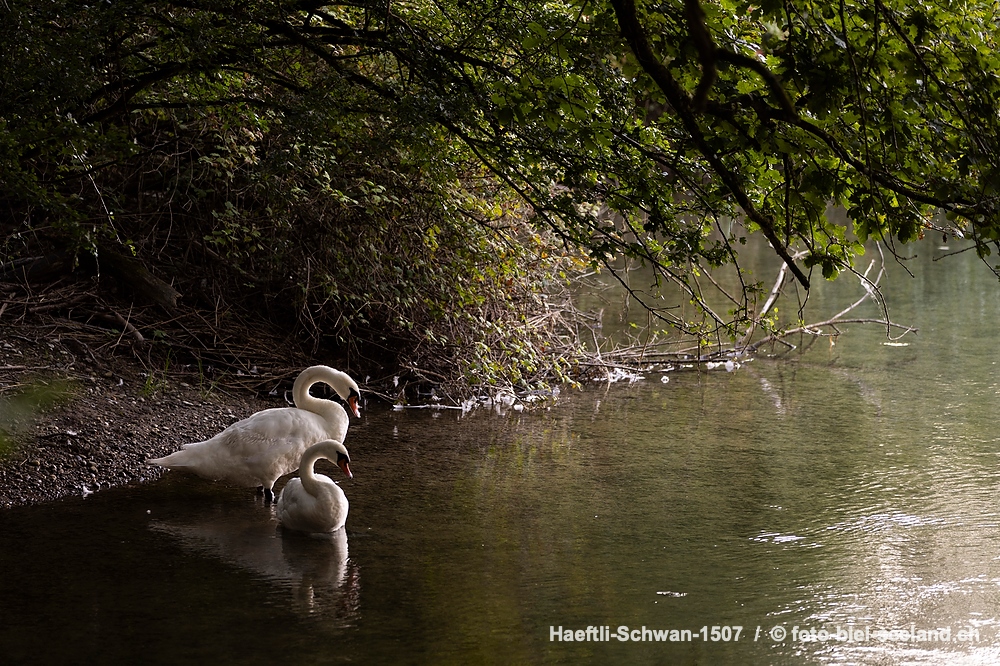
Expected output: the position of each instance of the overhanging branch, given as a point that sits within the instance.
(678, 98)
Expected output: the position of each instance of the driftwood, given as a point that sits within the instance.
(224, 351)
(36, 269)
(132, 274)
(125, 270)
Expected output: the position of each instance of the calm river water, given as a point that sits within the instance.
(847, 492)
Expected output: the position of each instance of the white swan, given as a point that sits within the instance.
(269, 444)
(313, 502)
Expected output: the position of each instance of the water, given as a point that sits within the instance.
(852, 488)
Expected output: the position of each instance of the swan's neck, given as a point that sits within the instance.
(307, 472)
(310, 376)
(328, 449)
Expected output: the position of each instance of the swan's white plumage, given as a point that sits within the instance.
(313, 502)
(269, 444)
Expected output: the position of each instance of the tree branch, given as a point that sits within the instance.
(634, 34)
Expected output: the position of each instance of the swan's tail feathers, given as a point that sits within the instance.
(175, 460)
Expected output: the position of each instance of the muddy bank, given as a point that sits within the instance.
(106, 416)
(101, 435)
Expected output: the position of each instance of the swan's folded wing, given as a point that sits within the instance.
(296, 508)
(301, 511)
(275, 431)
(255, 451)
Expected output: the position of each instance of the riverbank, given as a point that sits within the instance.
(93, 384)
(106, 418)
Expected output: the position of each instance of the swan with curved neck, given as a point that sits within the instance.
(269, 444)
(313, 502)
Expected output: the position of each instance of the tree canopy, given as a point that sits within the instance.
(390, 169)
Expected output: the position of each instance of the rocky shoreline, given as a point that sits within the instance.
(111, 417)
(101, 437)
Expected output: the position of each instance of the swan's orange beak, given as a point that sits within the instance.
(352, 402)
(345, 467)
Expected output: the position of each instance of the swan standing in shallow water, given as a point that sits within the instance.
(313, 502)
(269, 444)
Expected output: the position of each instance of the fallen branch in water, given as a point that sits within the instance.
(641, 356)
(434, 406)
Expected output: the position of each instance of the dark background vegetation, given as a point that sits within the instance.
(404, 189)
(192, 177)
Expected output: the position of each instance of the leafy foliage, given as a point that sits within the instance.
(366, 169)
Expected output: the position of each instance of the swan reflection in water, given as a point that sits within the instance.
(315, 569)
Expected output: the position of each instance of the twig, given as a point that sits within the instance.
(125, 324)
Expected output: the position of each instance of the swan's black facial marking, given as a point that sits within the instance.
(343, 462)
(268, 495)
(352, 401)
